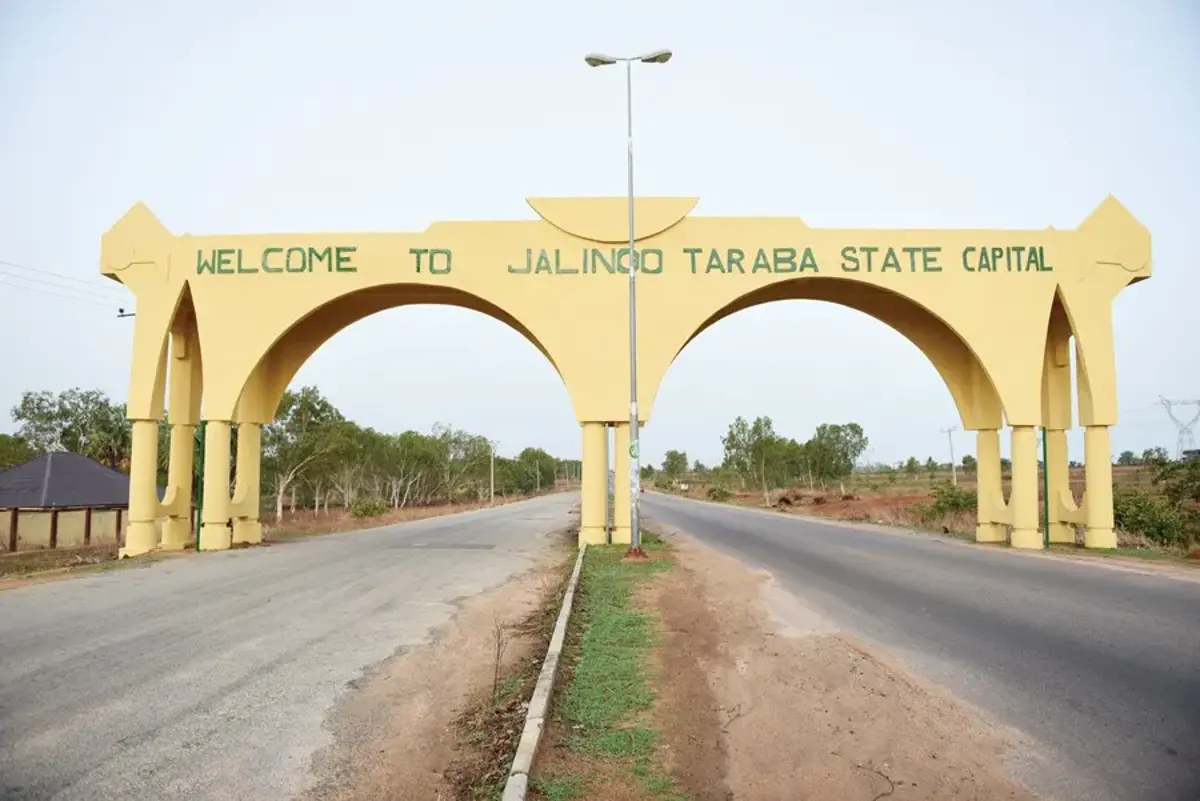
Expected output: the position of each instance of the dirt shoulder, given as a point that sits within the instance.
(804, 711)
(694, 677)
(442, 721)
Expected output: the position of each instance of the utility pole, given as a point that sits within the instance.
(1187, 436)
(949, 432)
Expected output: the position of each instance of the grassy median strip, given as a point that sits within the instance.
(602, 737)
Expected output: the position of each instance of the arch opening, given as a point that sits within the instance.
(279, 365)
(974, 393)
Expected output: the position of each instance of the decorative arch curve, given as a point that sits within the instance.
(270, 377)
(972, 388)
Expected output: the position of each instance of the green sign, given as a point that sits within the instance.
(233, 261)
(789, 260)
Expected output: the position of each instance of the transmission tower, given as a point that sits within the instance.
(1187, 436)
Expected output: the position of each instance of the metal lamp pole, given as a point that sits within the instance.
(635, 524)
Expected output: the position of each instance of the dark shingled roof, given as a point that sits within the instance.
(62, 480)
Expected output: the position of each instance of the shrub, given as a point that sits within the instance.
(950, 499)
(719, 494)
(368, 507)
(1156, 519)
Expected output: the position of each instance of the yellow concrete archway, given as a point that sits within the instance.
(996, 312)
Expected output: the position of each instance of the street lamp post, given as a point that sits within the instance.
(600, 60)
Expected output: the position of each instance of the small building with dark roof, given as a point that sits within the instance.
(62, 500)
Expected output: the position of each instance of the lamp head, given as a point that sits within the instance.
(599, 60)
(656, 57)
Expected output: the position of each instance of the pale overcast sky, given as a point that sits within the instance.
(235, 116)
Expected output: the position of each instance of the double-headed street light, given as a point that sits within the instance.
(600, 60)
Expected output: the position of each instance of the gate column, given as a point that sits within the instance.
(142, 533)
(594, 484)
(1023, 500)
(214, 529)
(177, 527)
(989, 491)
(247, 494)
(1098, 495)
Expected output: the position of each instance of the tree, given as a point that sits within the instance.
(675, 464)
(1155, 456)
(298, 436)
(912, 467)
(969, 464)
(753, 451)
(81, 421)
(14, 450)
(931, 467)
(835, 449)
(1127, 458)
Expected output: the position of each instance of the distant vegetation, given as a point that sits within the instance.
(313, 457)
(1156, 499)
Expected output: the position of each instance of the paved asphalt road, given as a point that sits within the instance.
(1099, 666)
(211, 677)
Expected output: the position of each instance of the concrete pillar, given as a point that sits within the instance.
(142, 535)
(989, 491)
(247, 494)
(1058, 479)
(214, 518)
(177, 529)
(1098, 497)
(1023, 500)
(594, 484)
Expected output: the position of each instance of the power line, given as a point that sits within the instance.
(52, 284)
(90, 283)
(92, 301)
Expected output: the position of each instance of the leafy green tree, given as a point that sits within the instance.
(1155, 456)
(14, 450)
(86, 422)
(1127, 458)
(300, 434)
(931, 468)
(675, 464)
(835, 449)
(912, 467)
(753, 451)
(969, 463)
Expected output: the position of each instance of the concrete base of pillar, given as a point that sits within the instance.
(215, 537)
(991, 532)
(622, 535)
(247, 532)
(176, 534)
(591, 535)
(1099, 538)
(1027, 538)
(140, 537)
(1062, 533)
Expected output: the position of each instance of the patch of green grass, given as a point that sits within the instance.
(560, 788)
(605, 709)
